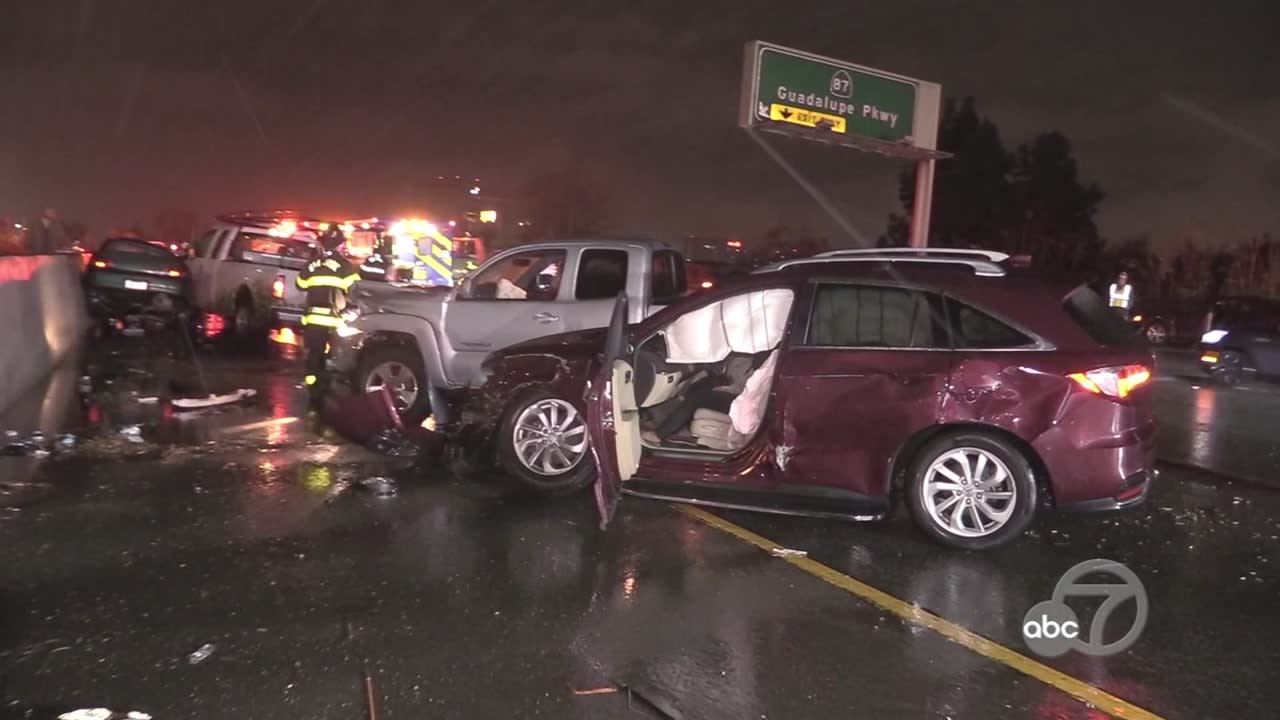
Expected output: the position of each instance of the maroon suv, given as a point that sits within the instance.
(836, 385)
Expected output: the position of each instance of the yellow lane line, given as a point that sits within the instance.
(1076, 688)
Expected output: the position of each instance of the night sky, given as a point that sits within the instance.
(113, 111)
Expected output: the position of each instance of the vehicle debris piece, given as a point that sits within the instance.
(214, 400)
(201, 654)
(132, 433)
(149, 400)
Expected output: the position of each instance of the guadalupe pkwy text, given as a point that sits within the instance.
(823, 102)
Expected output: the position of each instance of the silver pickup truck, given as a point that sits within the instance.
(418, 341)
(244, 270)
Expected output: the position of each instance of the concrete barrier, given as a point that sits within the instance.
(42, 319)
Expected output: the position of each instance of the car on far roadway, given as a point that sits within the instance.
(128, 276)
(1242, 339)
(836, 386)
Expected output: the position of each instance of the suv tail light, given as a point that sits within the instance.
(99, 263)
(1113, 382)
(277, 288)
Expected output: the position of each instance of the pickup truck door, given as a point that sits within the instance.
(515, 297)
(650, 279)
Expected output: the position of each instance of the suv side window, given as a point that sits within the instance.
(601, 274)
(531, 275)
(866, 316)
(976, 330)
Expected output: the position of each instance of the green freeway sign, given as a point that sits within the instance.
(788, 90)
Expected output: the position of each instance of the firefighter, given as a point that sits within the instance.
(327, 280)
(377, 265)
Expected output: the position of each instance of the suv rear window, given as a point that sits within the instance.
(976, 330)
(1106, 326)
(139, 247)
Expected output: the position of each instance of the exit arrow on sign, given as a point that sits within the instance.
(807, 118)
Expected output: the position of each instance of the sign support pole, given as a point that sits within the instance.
(923, 205)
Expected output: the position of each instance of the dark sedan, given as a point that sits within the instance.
(127, 276)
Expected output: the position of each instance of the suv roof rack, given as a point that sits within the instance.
(994, 256)
(980, 267)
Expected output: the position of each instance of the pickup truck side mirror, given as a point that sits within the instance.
(463, 289)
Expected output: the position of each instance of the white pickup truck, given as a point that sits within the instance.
(244, 269)
(417, 341)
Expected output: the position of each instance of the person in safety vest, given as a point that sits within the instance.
(1120, 295)
(327, 281)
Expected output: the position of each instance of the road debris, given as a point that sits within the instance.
(103, 714)
(149, 400)
(132, 433)
(87, 714)
(201, 654)
(380, 486)
(392, 442)
(596, 691)
(788, 552)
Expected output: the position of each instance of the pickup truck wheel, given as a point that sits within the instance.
(543, 443)
(242, 322)
(399, 369)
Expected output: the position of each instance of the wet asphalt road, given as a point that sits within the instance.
(464, 598)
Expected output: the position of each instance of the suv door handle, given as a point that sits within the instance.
(546, 317)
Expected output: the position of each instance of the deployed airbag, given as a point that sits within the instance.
(748, 323)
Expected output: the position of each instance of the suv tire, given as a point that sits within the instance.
(971, 490)
(561, 463)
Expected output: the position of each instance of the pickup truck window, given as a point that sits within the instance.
(204, 246)
(532, 275)
(255, 247)
(669, 281)
(601, 274)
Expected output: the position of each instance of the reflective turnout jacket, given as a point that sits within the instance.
(327, 280)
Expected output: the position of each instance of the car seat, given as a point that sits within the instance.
(730, 431)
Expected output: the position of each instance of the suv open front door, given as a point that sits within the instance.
(613, 417)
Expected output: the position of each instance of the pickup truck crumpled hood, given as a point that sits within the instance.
(566, 345)
(374, 297)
